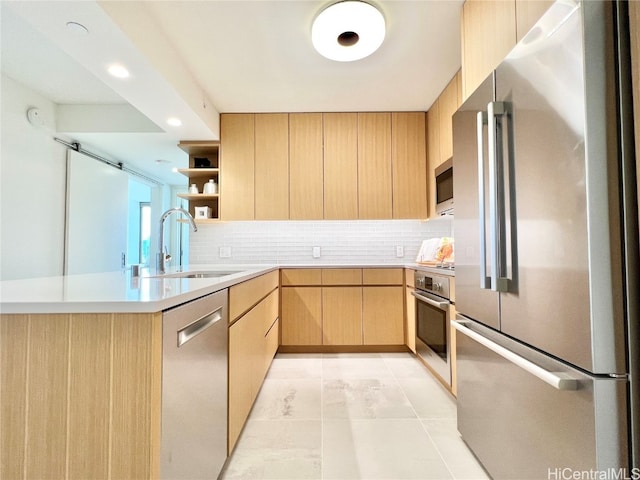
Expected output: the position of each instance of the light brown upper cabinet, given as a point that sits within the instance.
(374, 166)
(440, 132)
(340, 166)
(306, 176)
(488, 34)
(237, 146)
(528, 12)
(409, 162)
(271, 166)
(490, 29)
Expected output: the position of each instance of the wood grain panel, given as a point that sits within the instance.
(342, 276)
(136, 394)
(528, 12)
(342, 315)
(237, 166)
(46, 447)
(409, 162)
(374, 166)
(489, 33)
(89, 396)
(301, 276)
(306, 176)
(14, 330)
(245, 295)
(241, 353)
(382, 276)
(340, 166)
(449, 101)
(383, 315)
(409, 275)
(272, 166)
(301, 320)
(410, 320)
(433, 155)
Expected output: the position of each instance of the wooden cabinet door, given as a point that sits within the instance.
(449, 101)
(340, 166)
(374, 166)
(488, 34)
(306, 175)
(272, 166)
(410, 319)
(383, 315)
(342, 315)
(237, 166)
(301, 319)
(409, 161)
(528, 12)
(433, 154)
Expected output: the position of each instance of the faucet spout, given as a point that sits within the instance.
(163, 257)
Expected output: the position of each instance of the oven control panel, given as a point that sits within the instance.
(436, 284)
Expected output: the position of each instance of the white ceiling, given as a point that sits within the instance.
(194, 59)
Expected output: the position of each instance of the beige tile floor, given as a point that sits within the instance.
(352, 416)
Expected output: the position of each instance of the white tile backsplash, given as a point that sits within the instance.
(293, 242)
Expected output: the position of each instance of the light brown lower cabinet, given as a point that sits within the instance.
(301, 316)
(253, 342)
(80, 395)
(342, 316)
(410, 318)
(353, 307)
(383, 315)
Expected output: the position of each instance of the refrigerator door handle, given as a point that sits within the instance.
(499, 282)
(485, 282)
(558, 380)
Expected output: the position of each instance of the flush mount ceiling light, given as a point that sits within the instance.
(348, 31)
(174, 121)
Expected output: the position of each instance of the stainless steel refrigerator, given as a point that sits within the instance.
(547, 253)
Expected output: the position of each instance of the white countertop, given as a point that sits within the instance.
(120, 292)
(117, 291)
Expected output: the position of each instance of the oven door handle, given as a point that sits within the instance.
(441, 305)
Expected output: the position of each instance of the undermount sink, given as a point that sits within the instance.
(200, 274)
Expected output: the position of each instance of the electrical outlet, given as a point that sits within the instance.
(399, 251)
(225, 252)
(316, 252)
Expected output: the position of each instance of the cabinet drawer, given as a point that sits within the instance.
(342, 276)
(301, 276)
(382, 276)
(246, 294)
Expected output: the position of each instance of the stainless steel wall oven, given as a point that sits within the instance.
(433, 342)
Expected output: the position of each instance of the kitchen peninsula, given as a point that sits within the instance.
(83, 396)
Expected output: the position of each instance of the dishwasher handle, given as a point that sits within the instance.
(196, 328)
(558, 380)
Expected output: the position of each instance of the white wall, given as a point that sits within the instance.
(32, 187)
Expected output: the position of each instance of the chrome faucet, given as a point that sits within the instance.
(163, 257)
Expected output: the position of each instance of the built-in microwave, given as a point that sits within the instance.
(444, 188)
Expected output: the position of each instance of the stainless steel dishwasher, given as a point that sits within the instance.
(194, 389)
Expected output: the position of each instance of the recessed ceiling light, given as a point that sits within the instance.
(76, 27)
(348, 31)
(118, 71)
(174, 121)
